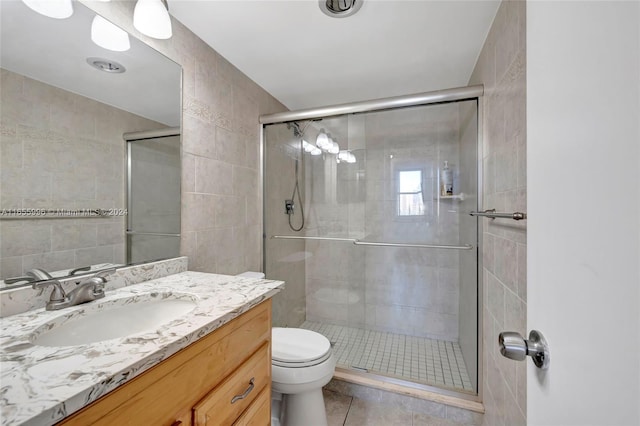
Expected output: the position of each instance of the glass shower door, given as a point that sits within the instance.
(385, 264)
(153, 229)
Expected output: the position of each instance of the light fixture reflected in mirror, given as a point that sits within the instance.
(107, 35)
(346, 156)
(151, 18)
(311, 149)
(58, 9)
(322, 141)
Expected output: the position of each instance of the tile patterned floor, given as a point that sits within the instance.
(417, 359)
(343, 410)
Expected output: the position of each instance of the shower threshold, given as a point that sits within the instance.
(417, 360)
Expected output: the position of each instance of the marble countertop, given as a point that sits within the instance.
(41, 385)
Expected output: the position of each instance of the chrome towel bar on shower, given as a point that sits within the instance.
(491, 213)
(373, 243)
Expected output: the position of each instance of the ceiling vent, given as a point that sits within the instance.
(340, 8)
(106, 65)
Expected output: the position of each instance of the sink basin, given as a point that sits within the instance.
(114, 319)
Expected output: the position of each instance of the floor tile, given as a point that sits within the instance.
(417, 359)
(425, 420)
(336, 405)
(368, 413)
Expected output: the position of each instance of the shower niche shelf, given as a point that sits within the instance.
(461, 196)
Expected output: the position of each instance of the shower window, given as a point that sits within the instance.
(410, 197)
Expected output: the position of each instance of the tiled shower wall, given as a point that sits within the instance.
(221, 197)
(285, 259)
(501, 68)
(401, 290)
(60, 150)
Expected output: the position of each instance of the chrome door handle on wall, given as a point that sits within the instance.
(514, 346)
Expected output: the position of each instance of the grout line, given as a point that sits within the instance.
(348, 409)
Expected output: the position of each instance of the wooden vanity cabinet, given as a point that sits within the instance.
(196, 385)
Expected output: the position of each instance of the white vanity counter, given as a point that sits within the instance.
(41, 385)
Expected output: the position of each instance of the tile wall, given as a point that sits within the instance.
(285, 259)
(60, 150)
(501, 68)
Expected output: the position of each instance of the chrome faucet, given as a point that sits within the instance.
(35, 274)
(39, 274)
(87, 290)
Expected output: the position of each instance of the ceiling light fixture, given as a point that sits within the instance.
(340, 8)
(151, 18)
(58, 9)
(107, 35)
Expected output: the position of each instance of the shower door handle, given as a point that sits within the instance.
(514, 346)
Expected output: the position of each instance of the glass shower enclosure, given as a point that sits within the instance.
(153, 195)
(366, 219)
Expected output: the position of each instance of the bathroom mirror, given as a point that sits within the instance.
(65, 108)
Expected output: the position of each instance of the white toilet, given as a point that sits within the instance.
(302, 362)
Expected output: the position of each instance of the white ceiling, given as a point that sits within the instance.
(306, 59)
(54, 51)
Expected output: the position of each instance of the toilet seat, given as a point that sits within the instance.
(298, 348)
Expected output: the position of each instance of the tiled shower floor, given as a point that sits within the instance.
(417, 359)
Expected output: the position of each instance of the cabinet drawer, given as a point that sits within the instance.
(224, 404)
(259, 412)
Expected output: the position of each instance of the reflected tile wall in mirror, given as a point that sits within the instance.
(60, 159)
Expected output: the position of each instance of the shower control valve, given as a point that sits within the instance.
(288, 207)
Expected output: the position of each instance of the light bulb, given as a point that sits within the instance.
(109, 36)
(58, 9)
(307, 146)
(152, 19)
(334, 148)
(322, 141)
(316, 151)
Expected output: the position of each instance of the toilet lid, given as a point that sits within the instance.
(296, 345)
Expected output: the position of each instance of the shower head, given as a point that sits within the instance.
(297, 132)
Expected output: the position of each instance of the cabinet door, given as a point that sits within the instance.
(259, 412)
(224, 404)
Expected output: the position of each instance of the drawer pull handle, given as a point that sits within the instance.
(245, 394)
(176, 423)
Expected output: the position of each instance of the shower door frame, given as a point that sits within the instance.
(459, 94)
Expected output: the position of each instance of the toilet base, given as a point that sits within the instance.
(303, 409)
(275, 412)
